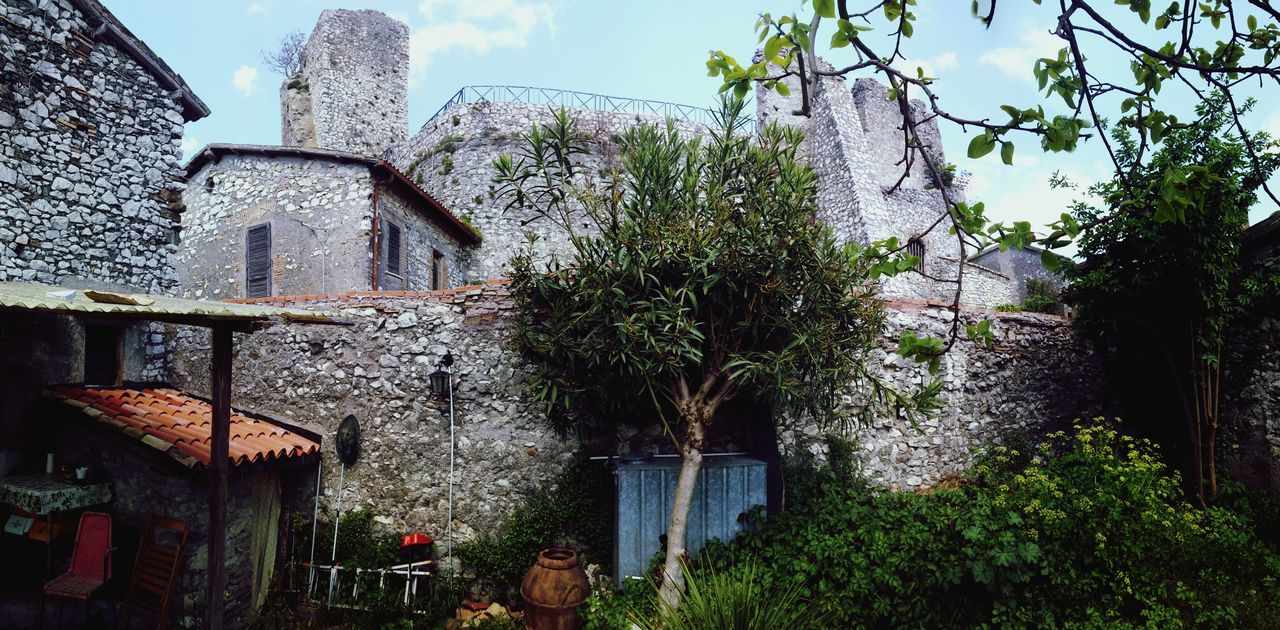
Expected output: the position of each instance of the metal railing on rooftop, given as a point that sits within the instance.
(578, 100)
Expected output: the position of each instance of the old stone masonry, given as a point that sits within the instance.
(345, 114)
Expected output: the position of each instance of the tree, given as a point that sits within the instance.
(1196, 46)
(287, 57)
(706, 276)
(1164, 281)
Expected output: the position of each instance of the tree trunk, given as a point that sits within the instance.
(672, 590)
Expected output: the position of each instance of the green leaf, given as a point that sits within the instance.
(1051, 261)
(772, 47)
(981, 145)
(825, 8)
(1006, 153)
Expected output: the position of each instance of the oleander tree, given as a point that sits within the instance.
(704, 276)
(1165, 293)
(1186, 47)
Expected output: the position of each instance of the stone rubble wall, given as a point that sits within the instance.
(377, 370)
(1249, 439)
(452, 158)
(89, 152)
(1039, 372)
(355, 68)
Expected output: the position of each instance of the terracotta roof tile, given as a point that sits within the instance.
(169, 420)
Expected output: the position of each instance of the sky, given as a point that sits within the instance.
(653, 49)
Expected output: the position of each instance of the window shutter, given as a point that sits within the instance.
(393, 248)
(257, 258)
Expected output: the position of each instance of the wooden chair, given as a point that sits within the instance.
(90, 563)
(155, 571)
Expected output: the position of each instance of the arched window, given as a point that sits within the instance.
(915, 247)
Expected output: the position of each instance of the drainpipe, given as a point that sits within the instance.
(373, 284)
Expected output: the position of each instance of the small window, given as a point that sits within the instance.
(209, 183)
(915, 247)
(439, 271)
(257, 261)
(103, 353)
(393, 248)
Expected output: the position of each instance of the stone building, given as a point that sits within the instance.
(1020, 265)
(265, 221)
(352, 92)
(91, 124)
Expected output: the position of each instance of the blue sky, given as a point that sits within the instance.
(651, 49)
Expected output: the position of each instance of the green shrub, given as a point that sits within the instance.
(1089, 529)
(613, 608)
(1042, 297)
(734, 599)
(575, 513)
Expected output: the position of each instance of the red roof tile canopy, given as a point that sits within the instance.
(178, 424)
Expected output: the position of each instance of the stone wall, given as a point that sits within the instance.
(89, 149)
(452, 158)
(1040, 372)
(355, 72)
(377, 369)
(319, 211)
(1249, 440)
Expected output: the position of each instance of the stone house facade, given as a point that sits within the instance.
(265, 221)
(91, 122)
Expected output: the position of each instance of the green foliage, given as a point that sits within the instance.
(734, 599)
(574, 512)
(298, 85)
(1165, 279)
(709, 276)
(446, 164)
(1042, 297)
(1088, 529)
(613, 609)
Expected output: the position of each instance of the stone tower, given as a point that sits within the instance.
(352, 92)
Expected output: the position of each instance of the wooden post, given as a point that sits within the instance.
(220, 430)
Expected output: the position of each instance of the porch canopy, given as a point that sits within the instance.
(220, 317)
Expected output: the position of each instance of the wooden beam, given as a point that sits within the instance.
(220, 429)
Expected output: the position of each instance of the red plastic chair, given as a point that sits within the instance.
(90, 561)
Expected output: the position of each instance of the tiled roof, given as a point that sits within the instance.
(178, 424)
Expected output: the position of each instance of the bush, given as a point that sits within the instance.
(1042, 297)
(575, 512)
(1089, 529)
(736, 599)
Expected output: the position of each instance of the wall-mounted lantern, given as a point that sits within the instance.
(441, 378)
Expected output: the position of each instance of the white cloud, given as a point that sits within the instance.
(255, 8)
(477, 26)
(1018, 61)
(189, 144)
(934, 66)
(245, 79)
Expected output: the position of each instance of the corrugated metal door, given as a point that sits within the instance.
(727, 487)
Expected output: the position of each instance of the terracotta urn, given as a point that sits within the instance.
(553, 590)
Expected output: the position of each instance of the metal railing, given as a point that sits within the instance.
(577, 100)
